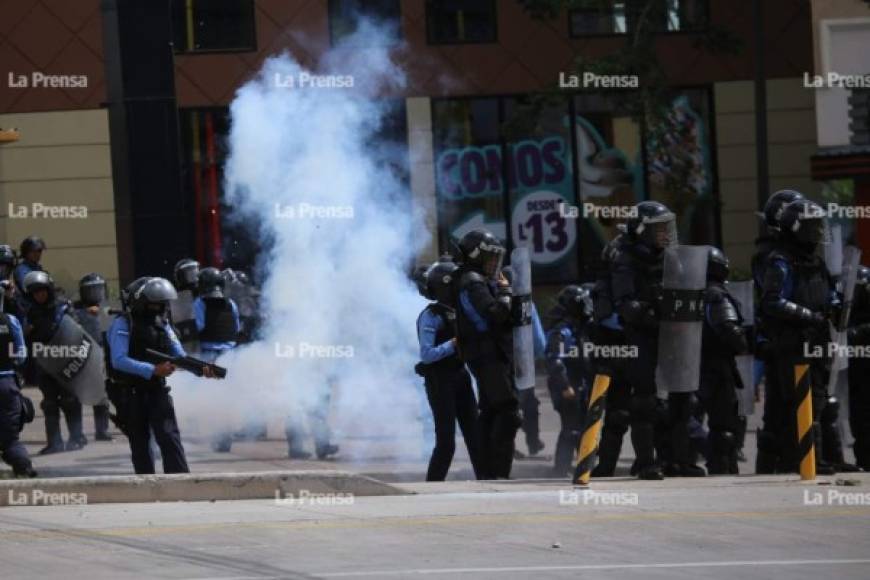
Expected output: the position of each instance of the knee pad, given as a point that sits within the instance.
(644, 408)
(831, 411)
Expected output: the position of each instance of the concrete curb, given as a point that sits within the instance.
(191, 487)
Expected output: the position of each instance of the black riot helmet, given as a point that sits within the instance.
(186, 274)
(211, 283)
(718, 266)
(803, 221)
(92, 289)
(440, 282)
(31, 244)
(7, 261)
(576, 301)
(776, 203)
(482, 251)
(38, 280)
(654, 225)
(149, 293)
(863, 275)
(419, 278)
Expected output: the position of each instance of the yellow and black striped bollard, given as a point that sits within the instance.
(805, 437)
(589, 442)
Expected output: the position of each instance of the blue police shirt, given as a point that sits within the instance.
(19, 355)
(22, 270)
(119, 344)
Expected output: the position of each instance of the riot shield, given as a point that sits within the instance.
(743, 293)
(75, 360)
(245, 297)
(524, 338)
(834, 249)
(678, 369)
(848, 278)
(182, 316)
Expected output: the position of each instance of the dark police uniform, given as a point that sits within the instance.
(722, 340)
(150, 407)
(448, 389)
(486, 335)
(568, 369)
(636, 279)
(609, 332)
(43, 320)
(12, 351)
(859, 371)
(797, 290)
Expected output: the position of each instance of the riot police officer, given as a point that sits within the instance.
(485, 325)
(448, 383)
(859, 370)
(609, 332)
(767, 443)
(92, 294)
(11, 304)
(186, 274)
(44, 313)
(12, 354)
(217, 321)
(636, 281)
(723, 339)
(30, 252)
(797, 295)
(145, 325)
(569, 371)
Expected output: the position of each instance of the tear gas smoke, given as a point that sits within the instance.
(305, 165)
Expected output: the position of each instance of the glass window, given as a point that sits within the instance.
(610, 176)
(461, 21)
(622, 16)
(213, 25)
(468, 168)
(680, 168)
(345, 15)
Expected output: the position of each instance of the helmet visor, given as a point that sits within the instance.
(93, 293)
(490, 261)
(188, 276)
(812, 231)
(660, 232)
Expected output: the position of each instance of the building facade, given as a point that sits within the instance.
(473, 68)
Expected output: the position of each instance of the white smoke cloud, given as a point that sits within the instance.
(339, 283)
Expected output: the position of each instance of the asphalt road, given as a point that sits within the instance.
(746, 527)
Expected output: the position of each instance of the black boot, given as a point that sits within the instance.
(52, 432)
(101, 423)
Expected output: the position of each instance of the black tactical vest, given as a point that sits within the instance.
(449, 364)
(145, 333)
(220, 324)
